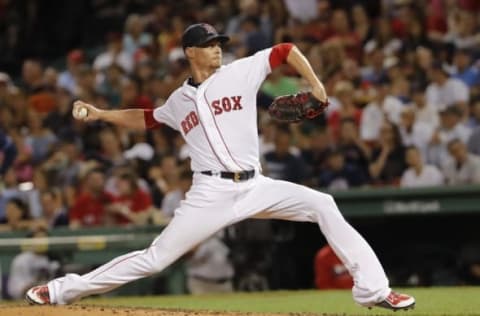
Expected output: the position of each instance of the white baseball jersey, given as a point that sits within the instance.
(219, 118)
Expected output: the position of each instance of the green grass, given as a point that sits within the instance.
(430, 301)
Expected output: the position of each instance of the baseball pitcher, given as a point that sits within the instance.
(215, 111)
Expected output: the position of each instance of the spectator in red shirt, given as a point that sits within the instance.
(132, 205)
(330, 273)
(89, 207)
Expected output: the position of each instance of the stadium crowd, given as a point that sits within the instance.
(403, 79)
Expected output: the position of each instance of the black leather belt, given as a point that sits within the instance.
(235, 176)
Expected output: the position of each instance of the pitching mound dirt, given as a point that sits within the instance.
(82, 310)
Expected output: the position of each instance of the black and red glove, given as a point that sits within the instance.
(296, 107)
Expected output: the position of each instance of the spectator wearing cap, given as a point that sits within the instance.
(464, 168)
(419, 174)
(451, 127)
(463, 69)
(444, 91)
(68, 78)
(114, 54)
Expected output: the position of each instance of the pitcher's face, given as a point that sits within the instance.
(208, 55)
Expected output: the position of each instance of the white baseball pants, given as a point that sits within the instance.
(214, 203)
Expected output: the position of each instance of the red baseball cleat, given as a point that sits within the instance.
(396, 301)
(38, 295)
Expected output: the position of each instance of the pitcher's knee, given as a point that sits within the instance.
(325, 206)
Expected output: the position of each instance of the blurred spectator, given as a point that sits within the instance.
(463, 68)
(388, 157)
(209, 269)
(249, 8)
(30, 268)
(385, 106)
(132, 205)
(339, 175)
(54, 212)
(330, 272)
(419, 174)
(8, 151)
(424, 112)
(316, 153)
(384, 38)
(255, 39)
(32, 75)
(280, 163)
(111, 85)
(465, 167)
(355, 151)
(278, 84)
(474, 120)
(348, 110)
(17, 216)
(341, 32)
(86, 84)
(362, 25)
(444, 91)
(304, 11)
(68, 78)
(172, 199)
(89, 206)
(415, 133)
(135, 36)
(9, 189)
(450, 128)
(41, 139)
(114, 55)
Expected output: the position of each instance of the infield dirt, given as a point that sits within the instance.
(83, 310)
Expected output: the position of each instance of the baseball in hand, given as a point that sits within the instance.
(82, 113)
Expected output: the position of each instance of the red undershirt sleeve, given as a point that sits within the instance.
(150, 122)
(279, 54)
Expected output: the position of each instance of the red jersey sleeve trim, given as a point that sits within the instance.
(150, 122)
(279, 54)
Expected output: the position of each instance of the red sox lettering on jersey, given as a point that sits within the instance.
(218, 119)
(225, 104)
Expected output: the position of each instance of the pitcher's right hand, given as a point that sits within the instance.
(79, 108)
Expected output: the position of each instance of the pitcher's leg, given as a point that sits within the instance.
(183, 233)
(285, 200)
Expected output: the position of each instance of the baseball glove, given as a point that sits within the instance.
(296, 107)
